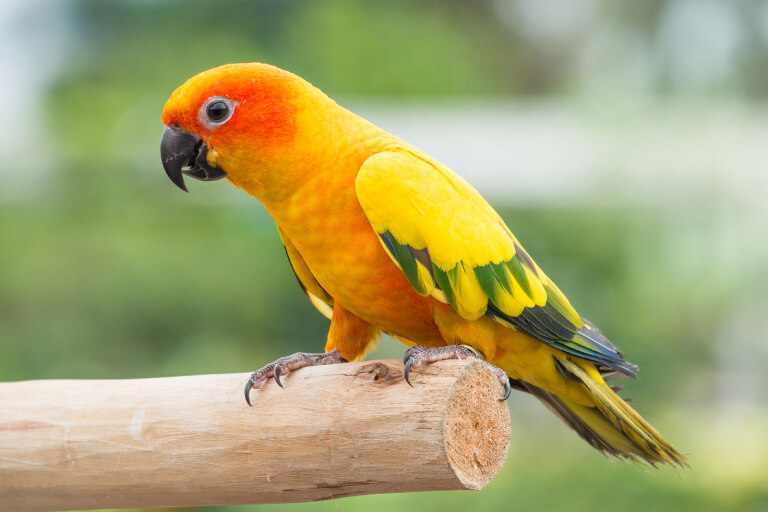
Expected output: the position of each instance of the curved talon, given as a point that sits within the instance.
(248, 386)
(276, 374)
(407, 371)
(507, 391)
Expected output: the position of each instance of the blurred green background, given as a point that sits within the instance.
(624, 142)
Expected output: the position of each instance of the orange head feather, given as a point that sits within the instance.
(265, 99)
(279, 123)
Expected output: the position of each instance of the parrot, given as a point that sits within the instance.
(384, 238)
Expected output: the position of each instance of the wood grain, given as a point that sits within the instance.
(334, 431)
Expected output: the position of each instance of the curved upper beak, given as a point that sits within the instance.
(185, 153)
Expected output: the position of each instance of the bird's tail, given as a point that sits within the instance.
(611, 426)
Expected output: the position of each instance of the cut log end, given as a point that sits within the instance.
(476, 427)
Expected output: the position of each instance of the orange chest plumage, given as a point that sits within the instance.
(325, 222)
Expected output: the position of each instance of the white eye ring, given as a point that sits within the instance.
(216, 111)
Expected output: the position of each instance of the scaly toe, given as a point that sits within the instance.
(285, 365)
(420, 355)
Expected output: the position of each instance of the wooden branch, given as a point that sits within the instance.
(334, 431)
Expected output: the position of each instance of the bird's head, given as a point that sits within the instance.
(239, 121)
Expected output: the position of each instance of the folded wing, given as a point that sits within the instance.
(452, 245)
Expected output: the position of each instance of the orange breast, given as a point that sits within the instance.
(325, 222)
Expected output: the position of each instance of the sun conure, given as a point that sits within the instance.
(384, 238)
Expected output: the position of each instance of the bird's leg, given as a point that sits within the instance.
(286, 364)
(420, 355)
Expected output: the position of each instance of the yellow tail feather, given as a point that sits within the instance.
(612, 426)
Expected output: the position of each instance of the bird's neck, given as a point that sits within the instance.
(328, 143)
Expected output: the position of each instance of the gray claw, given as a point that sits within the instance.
(407, 371)
(276, 374)
(248, 386)
(507, 391)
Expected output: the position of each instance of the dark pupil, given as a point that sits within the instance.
(217, 111)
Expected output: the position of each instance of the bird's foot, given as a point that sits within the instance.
(286, 364)
(420, 355)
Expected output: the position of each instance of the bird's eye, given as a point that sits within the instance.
(217, 111)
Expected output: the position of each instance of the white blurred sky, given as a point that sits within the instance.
(34, 40)
(656, 154)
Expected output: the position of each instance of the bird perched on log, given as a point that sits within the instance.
(384, 238)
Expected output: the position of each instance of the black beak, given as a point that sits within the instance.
(185, 153)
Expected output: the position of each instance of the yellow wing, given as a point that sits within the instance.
(451, 244)
(309, 285)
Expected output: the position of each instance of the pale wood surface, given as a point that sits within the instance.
(334, 431)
